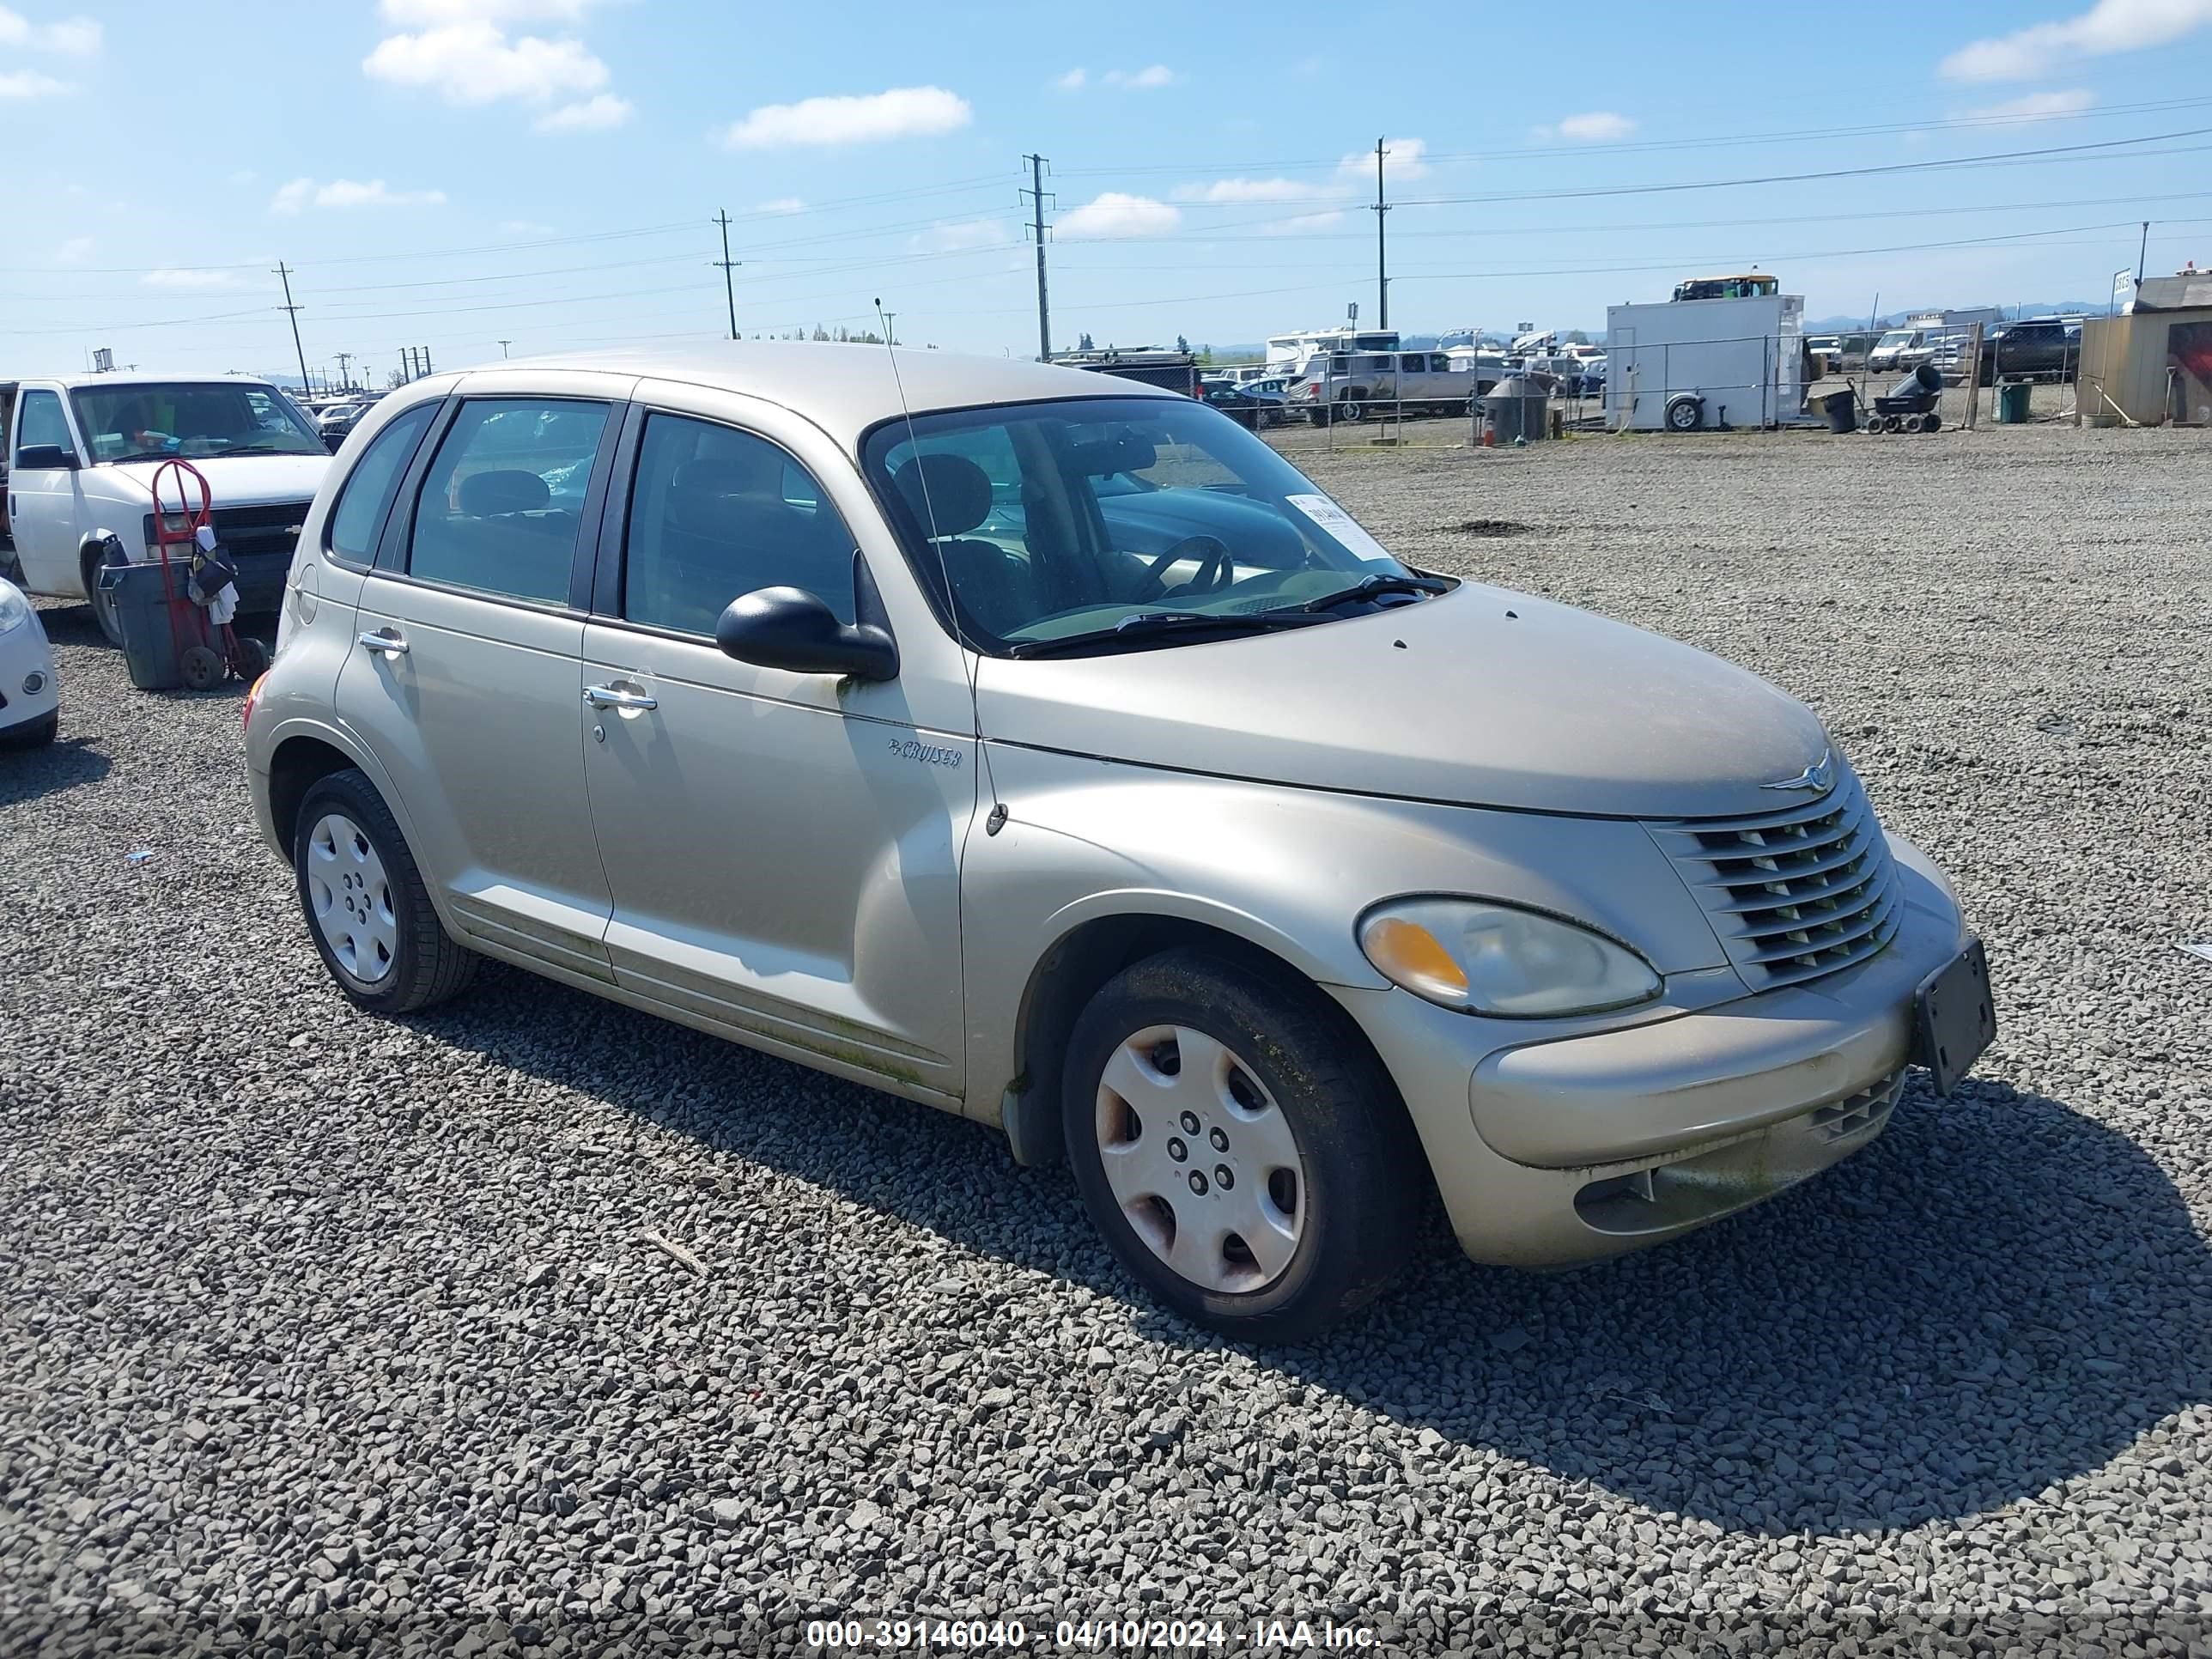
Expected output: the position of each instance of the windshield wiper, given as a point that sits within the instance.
(142, 455)
(255, 449)
(1369, 587)
(1152, 624)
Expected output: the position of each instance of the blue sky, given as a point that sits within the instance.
(453, 172)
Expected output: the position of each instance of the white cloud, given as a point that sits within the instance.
(781, 205)
(1402, 162)
(2037, 107)
(1070, 81)
(201, 279)
(1303, 224)
(1114, 214)
(951, 235)
(431, 14)
(347, 193)
(1251, 190)
(475, 62)
(901, 113)
(2108, 26)
(29, 84)
(78, 36)
(73, 252)
(1148, 79)
(594, 115)
(1597, 126)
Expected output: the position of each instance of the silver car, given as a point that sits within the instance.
(856, 709)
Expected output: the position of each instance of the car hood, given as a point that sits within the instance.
(1479, 697)
(236, 480)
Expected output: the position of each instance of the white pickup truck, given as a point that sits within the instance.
(81, 452)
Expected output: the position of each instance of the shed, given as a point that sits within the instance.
(2149, 367)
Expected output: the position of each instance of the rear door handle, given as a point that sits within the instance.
(388, 640)
(614, 697)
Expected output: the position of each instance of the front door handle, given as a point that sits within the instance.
(614, 697)
(389, 641)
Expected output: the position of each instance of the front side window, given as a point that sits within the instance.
(40, 421)
(368, 491)
(718, 513)
(502, 506)
(1044, 521)
(155, 420)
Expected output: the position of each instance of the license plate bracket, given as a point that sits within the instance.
(1955, 1019)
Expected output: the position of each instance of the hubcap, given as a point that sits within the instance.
(352, 900)
(1200, 1158)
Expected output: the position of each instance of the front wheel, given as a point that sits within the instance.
(366, 906)
(1352, 410)
(1243, 1156)
(103, 604)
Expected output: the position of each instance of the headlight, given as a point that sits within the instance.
(15, 608)
(1486, 959)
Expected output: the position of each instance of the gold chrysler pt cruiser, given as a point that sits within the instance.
(1046, 749)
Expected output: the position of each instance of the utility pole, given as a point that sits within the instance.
(728, 264)
(891, 331)
(1381, 258)
(2142, 252)
(503, 345)
(284, 271)
(1035, 194)
(346, 380)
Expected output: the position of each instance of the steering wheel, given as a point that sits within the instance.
(1217, 568)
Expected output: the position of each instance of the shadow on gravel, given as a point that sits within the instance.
(1997, 1295)
(29, 774)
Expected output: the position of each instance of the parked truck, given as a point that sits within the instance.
(82, 451)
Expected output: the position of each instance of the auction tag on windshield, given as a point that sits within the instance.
(1340, 524)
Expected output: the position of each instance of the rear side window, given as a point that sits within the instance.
(503, 508)
(42, 422)
(369, 489)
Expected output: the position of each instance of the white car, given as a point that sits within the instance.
(30, 698)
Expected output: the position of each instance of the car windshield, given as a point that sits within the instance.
(146, 420)
(1896, 337)
(1051, 520)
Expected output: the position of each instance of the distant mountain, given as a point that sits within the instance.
(1840, 324)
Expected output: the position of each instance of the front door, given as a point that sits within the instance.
(42, 501)
(782, 848)
(464, 680)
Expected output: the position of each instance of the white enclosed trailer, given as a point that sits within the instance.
(1683, 364)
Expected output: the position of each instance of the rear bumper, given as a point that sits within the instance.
(1552, 1152)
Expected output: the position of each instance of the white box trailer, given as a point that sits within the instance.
(1680, 365)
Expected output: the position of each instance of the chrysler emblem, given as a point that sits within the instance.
(1816, 777)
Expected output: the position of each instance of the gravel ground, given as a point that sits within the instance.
(318, 1330)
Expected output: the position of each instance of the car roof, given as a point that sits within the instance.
(74, 382)
(844, 388)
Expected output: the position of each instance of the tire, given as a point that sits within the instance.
(1684, 415)
(32, 734)
(1352, 410)
(103, 610)
(395, 956)
(254, 657)
(1316, 417)
(1931, 423)
(1330, 1167)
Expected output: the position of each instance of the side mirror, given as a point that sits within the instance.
(788, 627)
(47, 457)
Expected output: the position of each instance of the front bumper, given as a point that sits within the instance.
(1569, 1149)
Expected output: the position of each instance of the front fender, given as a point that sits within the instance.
(1287, 871)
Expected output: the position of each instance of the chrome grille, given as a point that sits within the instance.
(1795, 893)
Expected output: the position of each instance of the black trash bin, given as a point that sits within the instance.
(140, 596)
(1841, 409)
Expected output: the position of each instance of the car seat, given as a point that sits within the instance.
(950, 496)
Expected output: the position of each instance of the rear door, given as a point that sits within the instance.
(464, 679)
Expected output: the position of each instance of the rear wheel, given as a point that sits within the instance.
(366, 906)
(1240, 1153)
(1352, 410)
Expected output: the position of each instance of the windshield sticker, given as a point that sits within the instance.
(1340, 524)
